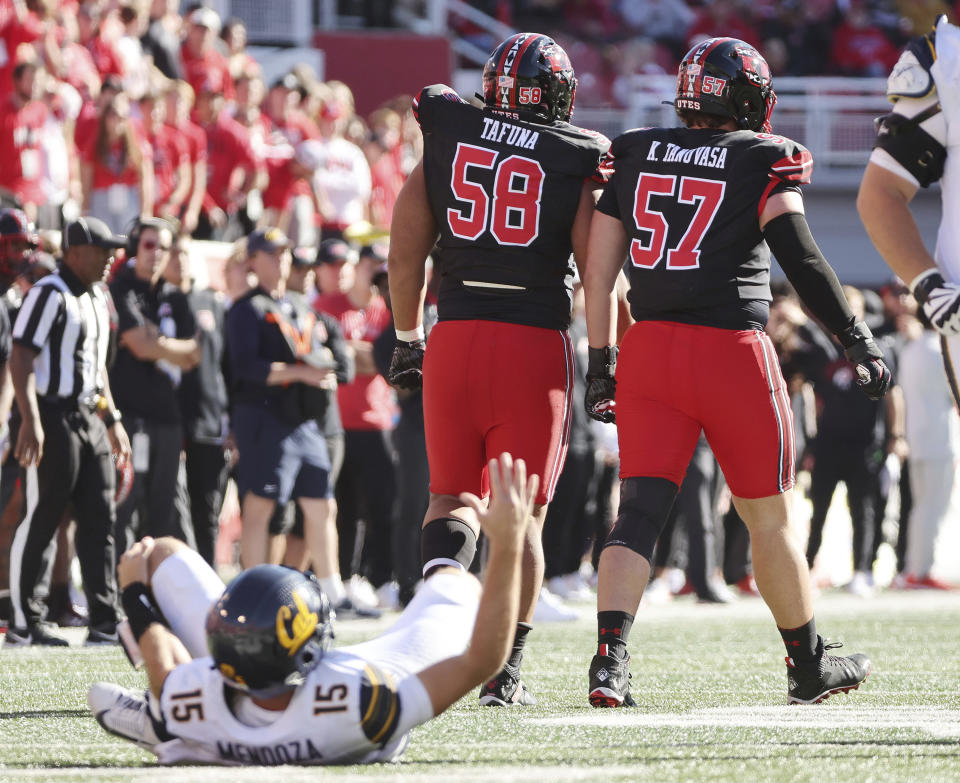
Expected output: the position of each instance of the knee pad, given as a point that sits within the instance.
(447, 541)
(645, 504)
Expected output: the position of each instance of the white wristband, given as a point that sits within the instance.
(411, 335)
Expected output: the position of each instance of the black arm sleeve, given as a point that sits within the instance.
(816, 283)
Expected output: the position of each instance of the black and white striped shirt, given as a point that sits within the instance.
(68, 326)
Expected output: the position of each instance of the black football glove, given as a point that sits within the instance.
(406, 365)
(940, 301)
(873, 374)
(601, 384)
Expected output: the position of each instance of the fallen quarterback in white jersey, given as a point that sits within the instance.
(244, 676)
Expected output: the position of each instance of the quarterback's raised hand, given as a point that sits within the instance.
(406, 366)
(598, 400)
(940, 301)
(860, 348)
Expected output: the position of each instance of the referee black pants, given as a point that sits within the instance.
(76, 467)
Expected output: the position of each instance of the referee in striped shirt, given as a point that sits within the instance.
(70, 435)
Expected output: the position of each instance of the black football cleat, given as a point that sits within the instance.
(36, 635)
(825, 676)
(610, 680)
(506, 690)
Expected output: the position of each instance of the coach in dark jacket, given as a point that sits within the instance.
(279, 374)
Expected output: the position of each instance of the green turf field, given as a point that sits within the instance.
(710, 682)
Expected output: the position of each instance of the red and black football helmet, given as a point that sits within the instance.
(530, 74)
(17, 238)
(727, 77)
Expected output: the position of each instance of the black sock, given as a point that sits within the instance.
(520, 639)
(613, 628)
(801, 643)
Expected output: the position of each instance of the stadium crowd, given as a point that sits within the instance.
(610, 42)
(161, 125)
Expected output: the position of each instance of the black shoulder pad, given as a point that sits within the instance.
(911, 77)
(912, 147)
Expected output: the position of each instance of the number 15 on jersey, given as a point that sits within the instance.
(511, 213)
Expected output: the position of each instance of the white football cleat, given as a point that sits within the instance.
(123, 712)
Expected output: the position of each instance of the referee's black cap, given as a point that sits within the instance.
(91, 231)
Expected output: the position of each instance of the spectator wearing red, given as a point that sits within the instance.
(239, 60)
(723, 18)
(233, 166)
(105, 56)
(289, 200)
(116, 169)
(171, 157)
(18, 27)
(180, 100)
(89, 118)
(76, 63)
(22, 119)
(202, 63)
(250, 92)
(343, 178)
(860, 47)
(385, 157)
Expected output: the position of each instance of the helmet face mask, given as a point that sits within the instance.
(729, 78)
(530, 74)
(17, 238)
(269, 630)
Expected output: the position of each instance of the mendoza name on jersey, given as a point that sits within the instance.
(270, 755)
(714, 157)
(508, 133)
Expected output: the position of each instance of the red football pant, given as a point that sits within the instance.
(490, 387)
(675, 379)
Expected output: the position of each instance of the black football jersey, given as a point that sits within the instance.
(690, 200)
(504, 193)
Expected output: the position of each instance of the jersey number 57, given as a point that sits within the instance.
(706, 194)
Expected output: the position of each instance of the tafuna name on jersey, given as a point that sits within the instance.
(508, 133)
(284, 753)
(714, 157)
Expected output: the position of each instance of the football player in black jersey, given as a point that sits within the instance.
(696, 211)
(505, 191)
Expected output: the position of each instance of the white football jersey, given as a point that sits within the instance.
(349, 711)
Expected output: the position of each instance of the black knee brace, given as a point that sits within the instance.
(446, 541)
(645, 504)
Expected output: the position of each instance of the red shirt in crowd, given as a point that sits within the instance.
(114, 170)
(170, 151)
(296, 127)
(706, 25)
(14, 32)
(228, 147)
(195, 138)
(367, 403)
(86, 124)
(283, 185)
(21, 132)
(862, 51)
(211, 69)
(105, 56)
